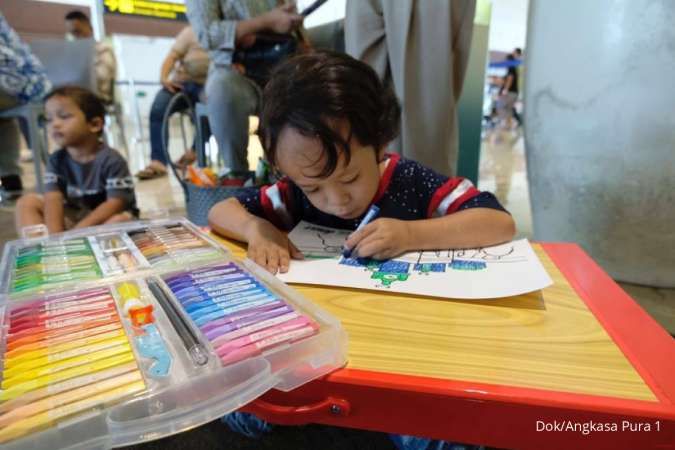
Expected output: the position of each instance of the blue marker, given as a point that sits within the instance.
(195, 315)
(370, 215)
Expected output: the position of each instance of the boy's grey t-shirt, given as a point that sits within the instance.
(86, 186)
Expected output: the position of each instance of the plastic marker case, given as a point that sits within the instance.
(120, 334)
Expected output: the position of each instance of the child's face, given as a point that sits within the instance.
(348, 191)
(67, 124)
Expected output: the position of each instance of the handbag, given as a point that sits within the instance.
(268, 50)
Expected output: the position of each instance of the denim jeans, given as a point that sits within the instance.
(254, 427)
(159, 105)
(231, 98)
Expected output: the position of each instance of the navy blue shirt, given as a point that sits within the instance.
(86, 186)
(407, 191)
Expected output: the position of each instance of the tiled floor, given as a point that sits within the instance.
(502, 171)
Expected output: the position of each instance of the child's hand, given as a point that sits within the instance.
(380, 239)
(270, 248)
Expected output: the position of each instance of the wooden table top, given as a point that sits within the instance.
(543, 340)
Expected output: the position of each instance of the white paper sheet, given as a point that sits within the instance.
(491, 272)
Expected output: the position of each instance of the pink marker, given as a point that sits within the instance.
(243, 341)
(64, 301)
(36, 319)
(257, 348)
(256, 326)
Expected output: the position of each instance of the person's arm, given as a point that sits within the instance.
(165, 72)
(54, 211)
(214, 32)
(103, 212)
(469, 228)
(105, 68)
(267, 246)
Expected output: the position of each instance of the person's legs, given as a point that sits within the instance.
(194, 91)
(124, 216)
(29, 211)
(157, 111)
(230, 99)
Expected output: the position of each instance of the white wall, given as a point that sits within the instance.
(508, 25)
(330, 11)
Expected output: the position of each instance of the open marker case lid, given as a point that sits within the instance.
(186, 396)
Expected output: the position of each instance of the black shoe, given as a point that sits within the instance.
(12, 187)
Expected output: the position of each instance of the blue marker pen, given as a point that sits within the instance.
(210, 301)
(195, 315)
(370, 215)
(203, 320)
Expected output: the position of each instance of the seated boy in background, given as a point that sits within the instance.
(86, 182)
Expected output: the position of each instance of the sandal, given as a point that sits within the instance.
(188, 158)
(151, 172)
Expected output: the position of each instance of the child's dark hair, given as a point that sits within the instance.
(76, 15)
(90, 104)
(313, 90)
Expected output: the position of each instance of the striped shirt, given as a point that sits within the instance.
(407, 191)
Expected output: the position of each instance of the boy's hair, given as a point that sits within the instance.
(77, 15)
(310, 92)
(90, 104)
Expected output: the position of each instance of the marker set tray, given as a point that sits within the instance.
(150, 329)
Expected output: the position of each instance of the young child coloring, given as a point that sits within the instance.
(325, 124)
(86, 182)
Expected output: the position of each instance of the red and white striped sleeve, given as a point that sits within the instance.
(450, 196)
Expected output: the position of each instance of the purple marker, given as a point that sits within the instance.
(257, 326)
(197, 295)
(248, 314)
(247, 319)
(250, 306)
(211, 284)
(200, 273)
(224, 312)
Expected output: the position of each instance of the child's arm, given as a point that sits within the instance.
(54, 211)
(469, 228)
(267, 246)
(103, 212)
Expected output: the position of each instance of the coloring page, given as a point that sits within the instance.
(491, 272)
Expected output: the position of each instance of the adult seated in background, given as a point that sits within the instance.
(184, 69)
(78, 26)
(22, 80)
(221, 26)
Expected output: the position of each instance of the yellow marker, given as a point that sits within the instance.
(19, 377)
(13, 368)
(128, 290)
(130, 295)
(48, 418)
(63, 398)
(84, 369)
(62, 386)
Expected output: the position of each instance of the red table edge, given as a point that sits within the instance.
(633, 330)
(643, 341)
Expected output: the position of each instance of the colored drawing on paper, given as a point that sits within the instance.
(386, 272)
(499, 271)
(460, 264)
(318, 242)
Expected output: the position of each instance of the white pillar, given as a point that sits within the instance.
(97, 23)
(600, 132)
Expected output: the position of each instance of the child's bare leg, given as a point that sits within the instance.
(30, 210)
(121, 217)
